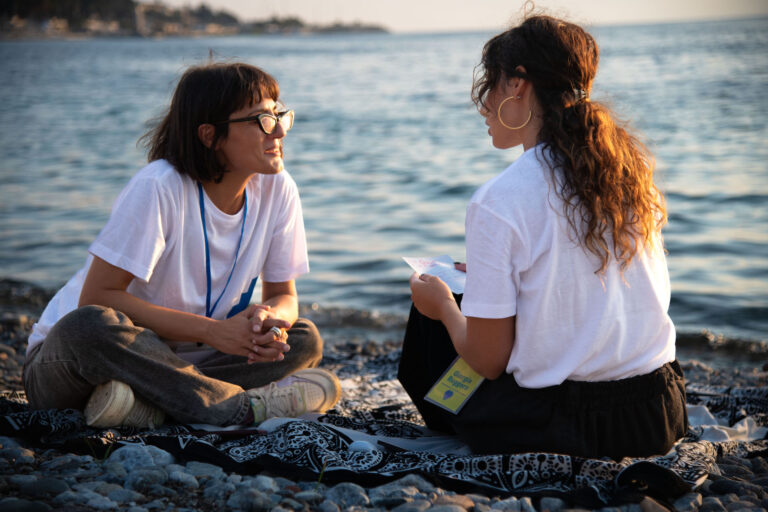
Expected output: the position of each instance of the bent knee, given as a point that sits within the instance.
(86, 326)
(87, 318)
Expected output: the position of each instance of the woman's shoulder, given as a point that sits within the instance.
(161, 172)
(527, 179)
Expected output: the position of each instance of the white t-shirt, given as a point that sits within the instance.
(523, 261)
(155, 232)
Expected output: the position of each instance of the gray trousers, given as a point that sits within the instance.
(93, 345)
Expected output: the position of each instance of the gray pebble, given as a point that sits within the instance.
(310, 497)
(512, 504)
(347, 494)
(393, 494)
(184, 479)
(234, 478)
(447, 508)
(526, 505)
(725, 486)
(19, 505)
(102, 503)
(266, 484)
(115, 471)
(159, 504)
(139, 479)
(290, 504)
(140, 456)
(281, 482)
(735, 470)
(416, 481)
(552, 504)
(247, 498)
(413, 506)
(18, 455)
(457, 500)
(64, 462)
(125, 496)
(712, 504)
(760, 465)
(67, 497)
(8, 442)
(219, 491)
(327, 506)
(44, 487)
(743, 506)
(104, 488)
(688, 502)
(88, 486)
(200, 469)
(21, 479)
(479, 499)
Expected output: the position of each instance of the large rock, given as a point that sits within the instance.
(131, 457)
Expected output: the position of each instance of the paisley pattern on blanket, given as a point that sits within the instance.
(731, 404)
(376, 409)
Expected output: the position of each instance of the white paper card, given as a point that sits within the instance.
(442, 267)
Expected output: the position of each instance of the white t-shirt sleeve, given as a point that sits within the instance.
(494, 260)
(134, 237)
(287, 256)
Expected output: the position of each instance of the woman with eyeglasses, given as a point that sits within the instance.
(160, 319)
(565, 307)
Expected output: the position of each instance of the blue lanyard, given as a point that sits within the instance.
(208, 309)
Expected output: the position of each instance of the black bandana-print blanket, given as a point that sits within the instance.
(375, 435)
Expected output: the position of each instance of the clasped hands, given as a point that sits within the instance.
(252, 333)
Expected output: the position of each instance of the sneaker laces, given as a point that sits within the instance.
(286, 401)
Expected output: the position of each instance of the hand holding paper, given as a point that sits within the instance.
(441, 267)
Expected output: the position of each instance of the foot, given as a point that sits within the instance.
(309, 390)
(113, 404)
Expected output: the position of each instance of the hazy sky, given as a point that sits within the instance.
(447, 15)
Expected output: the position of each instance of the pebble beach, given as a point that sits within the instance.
(142, 478)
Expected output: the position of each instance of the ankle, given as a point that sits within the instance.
(258, 411)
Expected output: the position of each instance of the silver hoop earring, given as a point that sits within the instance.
(505, 125)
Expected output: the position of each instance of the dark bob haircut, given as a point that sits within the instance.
(206, 94)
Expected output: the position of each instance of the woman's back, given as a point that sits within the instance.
(571, 323)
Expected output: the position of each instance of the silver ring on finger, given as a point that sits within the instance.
(276, 331)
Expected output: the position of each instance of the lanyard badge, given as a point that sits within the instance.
(455, 387)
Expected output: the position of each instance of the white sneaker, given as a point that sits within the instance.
(309, 390)
(113, 404)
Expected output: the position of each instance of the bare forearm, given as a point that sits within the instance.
(285, 307)
(485, 344)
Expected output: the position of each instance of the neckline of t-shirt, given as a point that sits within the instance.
(210, 206)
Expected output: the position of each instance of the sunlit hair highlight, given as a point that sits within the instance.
(206, 94)
(606, 182)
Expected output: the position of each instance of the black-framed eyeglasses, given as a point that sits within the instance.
(266, 121)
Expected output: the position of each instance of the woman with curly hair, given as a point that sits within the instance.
(565, 308)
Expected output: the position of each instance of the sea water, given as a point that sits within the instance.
(387, 149)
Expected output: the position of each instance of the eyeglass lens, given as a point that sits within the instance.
(269, 123)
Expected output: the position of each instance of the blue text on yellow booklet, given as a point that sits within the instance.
(455, 387)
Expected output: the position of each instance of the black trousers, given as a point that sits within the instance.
(635, 417)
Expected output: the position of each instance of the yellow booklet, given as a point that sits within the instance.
(455, 387)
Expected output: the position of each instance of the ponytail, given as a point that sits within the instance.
(606, 184)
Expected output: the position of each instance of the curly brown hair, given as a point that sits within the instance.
(606, 178)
